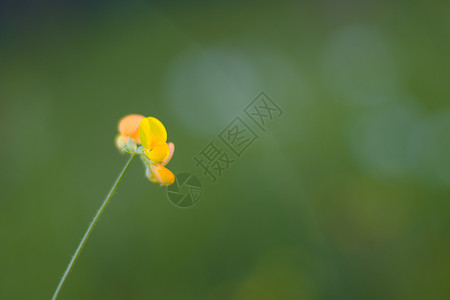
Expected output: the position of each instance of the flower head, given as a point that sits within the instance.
(155, 151)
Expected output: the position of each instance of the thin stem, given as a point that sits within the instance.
(91, 227)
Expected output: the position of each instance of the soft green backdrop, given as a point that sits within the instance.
(344, 197)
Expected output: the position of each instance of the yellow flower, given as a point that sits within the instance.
(154, 152)
(157, 173)
(128, 130)
(153, 136)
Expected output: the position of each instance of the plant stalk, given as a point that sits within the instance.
(91, 227)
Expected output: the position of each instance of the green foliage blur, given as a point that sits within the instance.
(346, 196)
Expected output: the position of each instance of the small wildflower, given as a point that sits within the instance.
(155, 152)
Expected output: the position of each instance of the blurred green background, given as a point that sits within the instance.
(346, 196)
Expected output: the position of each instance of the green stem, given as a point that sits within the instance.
(91, 227)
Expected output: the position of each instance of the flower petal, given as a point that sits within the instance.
(171, 151)
(158, 153)
(150, 175)
(129, 125)
(152, 132)
(162, 174)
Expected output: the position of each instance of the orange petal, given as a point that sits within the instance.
(129, 125)
(150, 175)
(162, 174)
